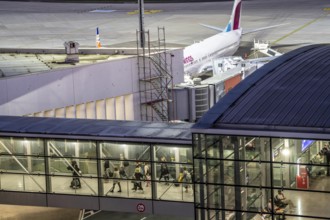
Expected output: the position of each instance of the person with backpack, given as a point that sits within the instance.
(107, 169)
(123, 173)
(75, 183)
(137, 178)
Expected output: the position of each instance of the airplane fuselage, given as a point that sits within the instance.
(198, 57)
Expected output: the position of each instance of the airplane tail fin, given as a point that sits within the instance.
(235, 18)
(98, 41)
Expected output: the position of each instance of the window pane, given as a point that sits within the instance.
(174, 191)
(303, 201)
(22, 182)
(125, 151)
(199, 143)
(170, 153)
(21, 146)
(69, 148)
(214, 146)
(253, 174)
(74, 185)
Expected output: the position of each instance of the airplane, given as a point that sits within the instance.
(198, 56)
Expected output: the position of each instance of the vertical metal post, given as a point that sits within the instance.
(201, 176)
(237, 178)
(141, 23)
(153, 169)
(99, 168)
(47, 167)
(222, 179)
(271, 174)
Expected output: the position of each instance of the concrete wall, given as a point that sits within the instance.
(60, 92)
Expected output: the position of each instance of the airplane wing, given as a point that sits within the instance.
(213, 27)
(263, 28)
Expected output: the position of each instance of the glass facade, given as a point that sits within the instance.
(227, 177)
(240, 177)
(96, 168)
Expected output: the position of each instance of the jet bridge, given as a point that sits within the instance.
(36, 152)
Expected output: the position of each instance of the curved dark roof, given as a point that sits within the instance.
(95, 129)
(292, 91)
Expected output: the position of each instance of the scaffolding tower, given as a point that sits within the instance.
(155, 76)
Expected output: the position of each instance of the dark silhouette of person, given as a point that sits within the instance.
(164, 172)
(75, 183)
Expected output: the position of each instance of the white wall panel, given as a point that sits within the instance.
(110, 105)
(129, 107)
(81, 111)
(49, 113)
(70, 112)
(137, 110)
(100, 109)
(90, 110)
(38, 114)
(120, 108)
(60, 113)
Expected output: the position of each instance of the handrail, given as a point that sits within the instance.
(145, 151)
(168, 188)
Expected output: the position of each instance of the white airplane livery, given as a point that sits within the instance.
(198, 56)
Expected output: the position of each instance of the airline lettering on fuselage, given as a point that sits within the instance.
(188, 59)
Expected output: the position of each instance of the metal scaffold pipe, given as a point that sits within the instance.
(141, 23)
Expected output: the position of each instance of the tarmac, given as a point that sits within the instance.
(51, 24)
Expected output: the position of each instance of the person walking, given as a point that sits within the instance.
(138, 178)
(186, 178)
(147, 174)
(116, 177)
(164, 172)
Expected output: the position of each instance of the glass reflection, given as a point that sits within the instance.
(71, 148)
(21, 146)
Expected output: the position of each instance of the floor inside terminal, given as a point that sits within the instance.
(130, 216)
(10, 212)
(13, 212)
(165, 191)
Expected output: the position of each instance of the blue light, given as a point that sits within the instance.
(306, 144)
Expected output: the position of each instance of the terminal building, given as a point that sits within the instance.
(269, 134)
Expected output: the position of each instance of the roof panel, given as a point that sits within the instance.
(95, 128)
(290, 91)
